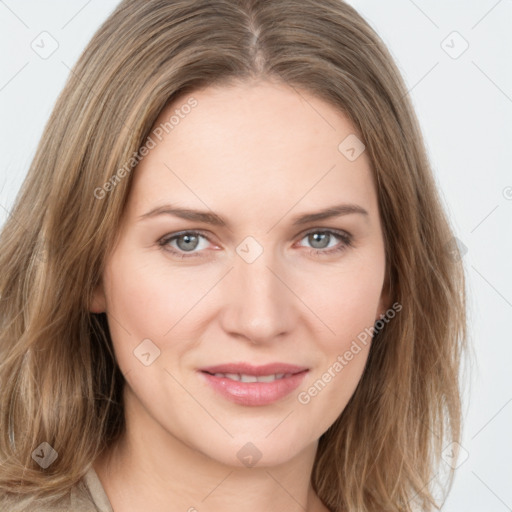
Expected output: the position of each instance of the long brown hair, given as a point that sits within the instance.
(59, 380)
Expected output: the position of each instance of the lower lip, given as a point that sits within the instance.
(254, 393)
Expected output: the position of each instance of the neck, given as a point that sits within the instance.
(149, 469)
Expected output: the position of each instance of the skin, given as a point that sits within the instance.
(258, 154)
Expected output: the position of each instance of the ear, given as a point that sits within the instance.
(99, 303)
(385, 299)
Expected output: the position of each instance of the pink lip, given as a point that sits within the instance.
(249, 369)
(254, 393)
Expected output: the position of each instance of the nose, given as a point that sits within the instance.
(259, 304)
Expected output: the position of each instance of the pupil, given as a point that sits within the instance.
(316, 237)
(188, 239)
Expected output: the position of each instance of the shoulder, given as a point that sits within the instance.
(15, 503)
(79, 499)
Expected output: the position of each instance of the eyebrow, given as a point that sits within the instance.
(216, 220)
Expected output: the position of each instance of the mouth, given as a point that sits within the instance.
(250, 385)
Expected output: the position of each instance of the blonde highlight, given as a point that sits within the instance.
(58, 377)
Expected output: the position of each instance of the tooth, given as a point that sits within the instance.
(248, 378)
(266, 378)
(252, 378)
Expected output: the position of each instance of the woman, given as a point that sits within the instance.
(228, 278)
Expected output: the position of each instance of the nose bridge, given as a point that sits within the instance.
(260, 303)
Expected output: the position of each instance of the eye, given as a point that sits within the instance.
(321, 241)
(187, 244)
(186, 241)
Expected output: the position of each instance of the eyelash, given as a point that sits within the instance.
(343, 236)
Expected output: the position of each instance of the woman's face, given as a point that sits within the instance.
(255, 286)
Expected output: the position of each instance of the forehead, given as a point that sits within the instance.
(248, 145)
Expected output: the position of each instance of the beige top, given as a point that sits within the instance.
(87, 496)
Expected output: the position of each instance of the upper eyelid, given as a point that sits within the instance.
(337, 232)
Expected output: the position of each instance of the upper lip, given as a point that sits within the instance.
(249, 369)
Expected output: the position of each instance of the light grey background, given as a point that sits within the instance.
(465, 109)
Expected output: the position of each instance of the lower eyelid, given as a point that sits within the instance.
(166, 240)
(345, 240)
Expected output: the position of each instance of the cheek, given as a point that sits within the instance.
(147, 302)
(346, 301)
(328, 391)
(349, 311)
(131, 299)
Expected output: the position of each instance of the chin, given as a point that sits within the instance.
(256, 450)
